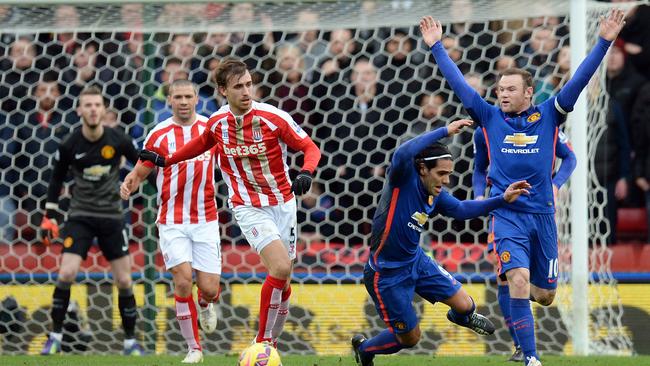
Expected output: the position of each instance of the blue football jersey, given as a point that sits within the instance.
(405, 206)
(521, 147)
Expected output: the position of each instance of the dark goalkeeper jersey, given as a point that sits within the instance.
(95, 169)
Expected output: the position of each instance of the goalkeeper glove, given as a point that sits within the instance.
(151, 156)
(50, 226)
(302, 183)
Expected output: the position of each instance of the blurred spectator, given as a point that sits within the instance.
(553, 82)
(612, 166)
(171, 14)
(336, 63)
(397, 69)
(636, 35)
(252, 48)
(85, 69)
(216, 43)
(8, 18)
(364, 120)
(623, 83)
(475, 80)
(9, 147)
(479, 45)
(289, 92)
(318, 213)
(131, 15)
(312, 46)
(537, 54)
(640, 127)
(20, 71)
(40, 129)
(183, 47)
(455, 53)
(62, 45)
(428, 116)
(110, 119)
(214, 11)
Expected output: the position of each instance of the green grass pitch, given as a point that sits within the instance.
(400, 360)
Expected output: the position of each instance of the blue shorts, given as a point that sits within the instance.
(526, 240)
(392, 290)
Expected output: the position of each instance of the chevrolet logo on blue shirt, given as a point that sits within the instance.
(520, 139)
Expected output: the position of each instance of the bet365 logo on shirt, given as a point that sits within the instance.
(245, 150)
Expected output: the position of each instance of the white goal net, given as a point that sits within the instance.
(312, 59)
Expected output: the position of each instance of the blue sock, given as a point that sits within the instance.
(522, 321)
(462, 318)
(383, 343)
(504, 303)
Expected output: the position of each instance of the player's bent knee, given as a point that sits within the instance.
(518, 280)
(67, 275)
(123, 282)
(281, 269)
(545, 299)
(182, 283)
(409, 339)
(210, 292)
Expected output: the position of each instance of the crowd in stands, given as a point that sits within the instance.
(358, 92)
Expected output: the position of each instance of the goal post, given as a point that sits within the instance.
(132, 45)
(579, 205)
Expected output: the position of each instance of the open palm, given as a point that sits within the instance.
(612, 25)
(431, 30)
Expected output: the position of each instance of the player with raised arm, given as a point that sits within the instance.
(187, 219)
(521, 139)
(398, 267)
(93, 153)
(564, 151)
(251, 140)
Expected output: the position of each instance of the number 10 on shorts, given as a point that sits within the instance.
(553, 268)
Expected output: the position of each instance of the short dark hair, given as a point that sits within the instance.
(525, 75)
(180, 83)
(430, 155)
(227, 69)
(92, 90)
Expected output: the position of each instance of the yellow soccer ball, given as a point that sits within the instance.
(260, 354)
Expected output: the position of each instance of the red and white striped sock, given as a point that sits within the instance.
(188, 321)
(204, 302)
(270, 300)
(283, 313)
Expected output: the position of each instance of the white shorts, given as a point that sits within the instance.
(198, 244)
(262, 225)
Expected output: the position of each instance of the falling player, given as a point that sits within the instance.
(563, 151)
(398, 267)
(521, 139)
(251, 140)
(187, 215)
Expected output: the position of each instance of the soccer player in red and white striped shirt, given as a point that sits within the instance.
(251, 140)
(187, 214)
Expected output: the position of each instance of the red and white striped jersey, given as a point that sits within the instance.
(252, 153)
(185, 190)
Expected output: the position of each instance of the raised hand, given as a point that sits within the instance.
(610, 26)
(431, 30)
(456, 126)
(515, 190)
